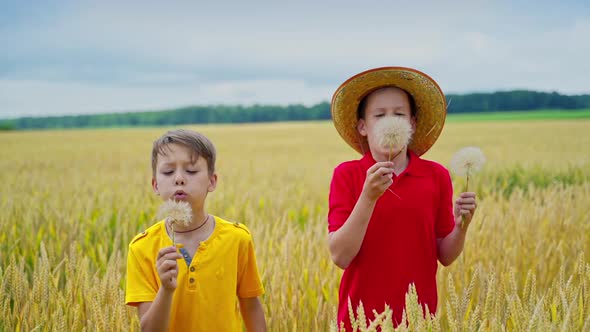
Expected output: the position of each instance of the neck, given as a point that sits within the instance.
(401, 162)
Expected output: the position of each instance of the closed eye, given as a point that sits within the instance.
(191, 172)
(168, 172)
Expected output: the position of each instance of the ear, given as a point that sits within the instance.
(361, 126)
(155, 186)
(212, 182)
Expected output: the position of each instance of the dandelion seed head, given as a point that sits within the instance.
(393, 131)
(176, 212)
(466, 161)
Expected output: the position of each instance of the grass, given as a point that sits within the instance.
(521, 115)
(71, 201)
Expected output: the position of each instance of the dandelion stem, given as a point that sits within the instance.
(391, 159)
(466, 190)
(396, 195)
(395, 155)
(173, 235)
(390, 151)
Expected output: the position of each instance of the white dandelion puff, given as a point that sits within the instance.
(393, 132)
(467, 161)
(175, 213)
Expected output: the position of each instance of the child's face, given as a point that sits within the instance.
(182, 179)
(380, 103)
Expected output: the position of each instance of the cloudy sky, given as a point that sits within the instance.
(81, 57)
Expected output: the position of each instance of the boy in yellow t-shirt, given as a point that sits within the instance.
(200, 289)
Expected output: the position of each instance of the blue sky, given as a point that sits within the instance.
(81, 57)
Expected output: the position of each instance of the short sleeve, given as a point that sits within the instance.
(249, 283)
(445, 221)
(141, 284)
(341, 200)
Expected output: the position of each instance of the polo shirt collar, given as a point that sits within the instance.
(415, 166)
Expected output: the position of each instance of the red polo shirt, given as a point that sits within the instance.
(399, 247)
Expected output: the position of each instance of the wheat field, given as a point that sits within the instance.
(70, 202)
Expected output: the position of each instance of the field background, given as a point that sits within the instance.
(70, 202)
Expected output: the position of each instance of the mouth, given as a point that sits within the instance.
(180, 195)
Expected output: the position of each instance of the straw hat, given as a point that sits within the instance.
(430, 101)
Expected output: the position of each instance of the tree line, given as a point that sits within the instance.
(517, 100)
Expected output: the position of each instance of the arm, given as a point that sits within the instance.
(451, 246)
(346, 242)
(253, 314)
(155, 316)
(249, 286)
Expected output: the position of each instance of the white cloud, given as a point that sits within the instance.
(132, 55)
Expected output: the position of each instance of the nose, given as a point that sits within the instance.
(179, 179)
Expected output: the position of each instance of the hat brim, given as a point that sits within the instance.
(431, 110)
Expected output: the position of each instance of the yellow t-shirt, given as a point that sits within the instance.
(222, 270)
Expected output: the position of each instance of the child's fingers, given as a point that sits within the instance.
(465, 212)
(386, 180)
(383, 171)
(380, 165)
(378, 181)
(167, 275)
(170, 274)
(166, 250)
(467, 207)
(167, 262)
(383, 176)
(172, 256)
(380, 174)
(167, 265)
(468, 200)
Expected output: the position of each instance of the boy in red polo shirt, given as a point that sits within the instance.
(390, 222)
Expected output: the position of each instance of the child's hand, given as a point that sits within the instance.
(465, 207)
(168, 267)
(379, 178)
